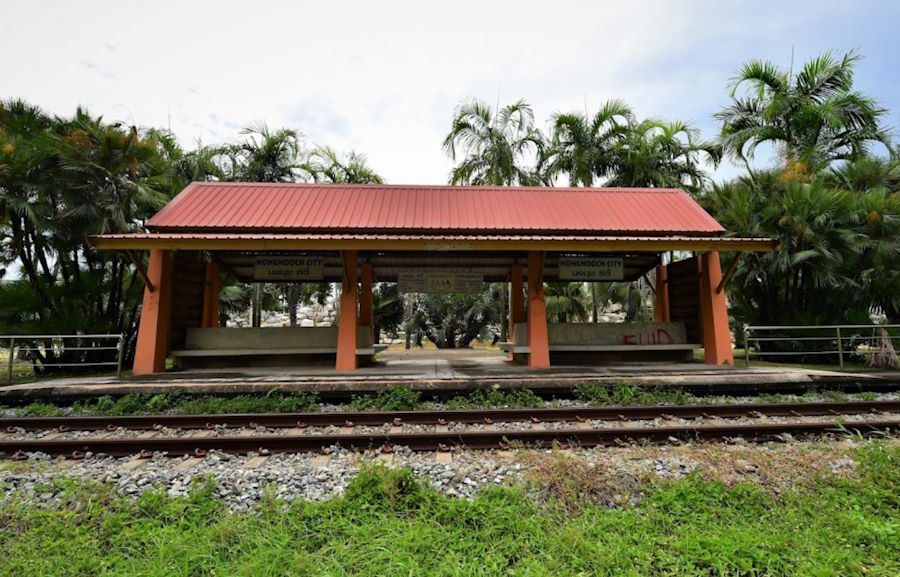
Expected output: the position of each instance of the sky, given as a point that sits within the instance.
(383, 77)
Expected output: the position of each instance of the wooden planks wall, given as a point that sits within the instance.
(187, 296)
(684, 297)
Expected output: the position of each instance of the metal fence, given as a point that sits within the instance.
(841, 339)
(60, 343)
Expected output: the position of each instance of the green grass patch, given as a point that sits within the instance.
(274, 401)
(388, 523)
(516, 398)
(623, 393)
(393, 398)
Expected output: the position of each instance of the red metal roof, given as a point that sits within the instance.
(332, 208)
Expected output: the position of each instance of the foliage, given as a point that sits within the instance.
(658, 154)
(565, 301)
(264, 155)
(815, 115)
(623, 393)
(492, 144)
(585, 148)
(838, 254)
(62, 179)
(387, 309)
(453, 321)
(275, 401)
(393, 398)
(487, 398)
(324, 164)
(390, 523)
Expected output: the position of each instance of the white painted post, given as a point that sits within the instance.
(746, 346)
(120, 345)
(12, 348)
(840, 348)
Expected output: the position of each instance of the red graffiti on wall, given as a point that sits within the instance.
(657, 337)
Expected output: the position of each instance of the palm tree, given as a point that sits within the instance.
(452, 321)
(815, 116)
(866, 174)
(493, 144)
(585, 148)
(653, 153)
(387, 309)
(203, 163)
(323, 164)
(565, 301)
(265, 156)
(812, 276)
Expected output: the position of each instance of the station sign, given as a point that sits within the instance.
(440, 282)
(591, 268)
(289, 268)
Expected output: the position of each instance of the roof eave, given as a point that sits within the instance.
(263, 242)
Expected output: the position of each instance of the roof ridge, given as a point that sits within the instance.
(450, 187)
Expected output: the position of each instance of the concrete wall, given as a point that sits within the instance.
(269, 338)
(607, 334)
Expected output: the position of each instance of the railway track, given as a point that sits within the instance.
(476, 429)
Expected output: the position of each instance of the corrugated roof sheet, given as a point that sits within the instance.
(432, 210)
(213, 236)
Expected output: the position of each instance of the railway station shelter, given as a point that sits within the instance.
(428, 239)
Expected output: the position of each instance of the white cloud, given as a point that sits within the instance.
(383, 77)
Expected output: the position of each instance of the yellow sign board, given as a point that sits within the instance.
(289, 268)
(591, 268)
(440, 282)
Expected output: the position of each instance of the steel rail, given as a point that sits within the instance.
(265, 444)
(433, 417)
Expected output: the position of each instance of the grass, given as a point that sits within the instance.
(274, 401)
(393, 398)
(515, 398)
(851, 364)
(388, 523)
(623, 393)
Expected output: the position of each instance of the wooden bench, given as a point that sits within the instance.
(247, 343)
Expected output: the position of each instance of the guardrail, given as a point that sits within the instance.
(61, 343)
(838, 335)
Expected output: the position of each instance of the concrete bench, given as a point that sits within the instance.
(514, 348)
(605, 337)
(269, 341)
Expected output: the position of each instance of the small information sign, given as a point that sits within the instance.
(440, 282)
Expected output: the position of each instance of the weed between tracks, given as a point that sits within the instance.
(394, 398)
(389, 523)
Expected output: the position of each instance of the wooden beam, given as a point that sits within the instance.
(142, 272)
(721, 286)
(229, 272)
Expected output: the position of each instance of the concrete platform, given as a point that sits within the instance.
(447, 370)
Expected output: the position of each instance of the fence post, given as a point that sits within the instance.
(12, 355)
(746, 346)
(840, 348)
(120, 345)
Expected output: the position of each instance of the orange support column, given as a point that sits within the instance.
(539, 356)
(211, 296)
(661, 312)
(516, 302)
(156, 315)
(347, 333)
(713, 312)
(366, 314)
